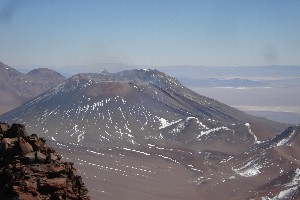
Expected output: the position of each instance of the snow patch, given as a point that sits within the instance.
(292, 187)
(252, 168)
(285, 193)
(249, 172)
(78, 132)
(296, 178)
(164, 123)
(250, 131)
(286, 140)
(212, 131)
(198, 122)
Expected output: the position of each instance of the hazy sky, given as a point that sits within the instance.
(150, 32)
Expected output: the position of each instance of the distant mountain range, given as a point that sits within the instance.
(16, 88)
(239, 83)
(231, 72)
(187, 71)
(143, 133)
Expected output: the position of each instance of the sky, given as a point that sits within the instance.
(150, 32)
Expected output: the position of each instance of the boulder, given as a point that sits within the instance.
(51, 185)
(39, 144)
(34, 157)
(16, 130)
(31, 186)
(40, 157)
(27, 196)
(32, 139)
(4, 128)
(29, 158)
(10, 141)
(52, 157)
(25, 146)
(58, 169)
(9, 147)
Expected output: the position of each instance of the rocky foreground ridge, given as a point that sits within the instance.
(30, 169)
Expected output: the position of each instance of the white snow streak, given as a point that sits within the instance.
(286, 140)
(212, 131)
(250, 131)
(164, 123)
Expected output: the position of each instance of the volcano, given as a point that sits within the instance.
(140, 134)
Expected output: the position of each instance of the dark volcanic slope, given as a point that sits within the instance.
(140, 134)
(17, 88)
(139, 107)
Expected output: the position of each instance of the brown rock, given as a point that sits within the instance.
(4, 127)
(39, 144)
(54, 184)
(32, 139)
(9, 141)
(31, 186)
(25, 146)
(53, 156)
(34, 157)
(16, 130)
(36, 168)
(26, 196)
(8, 147)
(57, 169)
(3, 146)
(40, 157)
(29, 157)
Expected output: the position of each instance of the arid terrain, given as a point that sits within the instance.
(140, 134)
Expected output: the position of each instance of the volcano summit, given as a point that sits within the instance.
(143, 128)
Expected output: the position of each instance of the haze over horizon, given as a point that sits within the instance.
(155, 33)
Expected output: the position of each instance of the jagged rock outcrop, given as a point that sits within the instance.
(30, 169)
